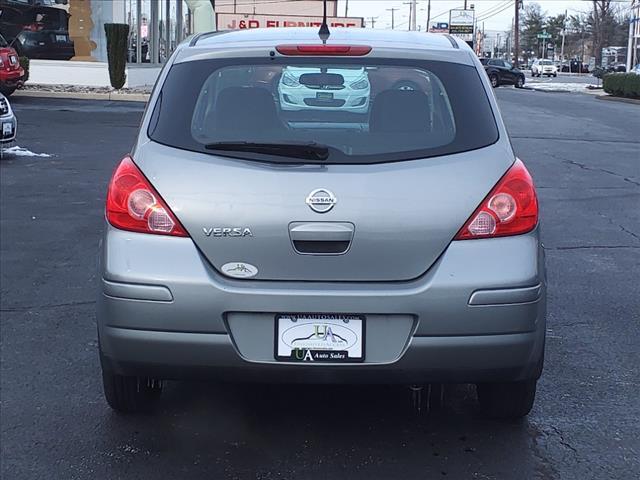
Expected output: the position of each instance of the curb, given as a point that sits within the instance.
(120, 97)
(612, 98)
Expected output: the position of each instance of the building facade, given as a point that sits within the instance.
(74, 29)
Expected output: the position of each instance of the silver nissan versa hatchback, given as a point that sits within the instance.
(363, 219)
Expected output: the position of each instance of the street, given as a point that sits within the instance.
(584, 155)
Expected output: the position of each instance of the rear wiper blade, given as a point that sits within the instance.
(308, 151)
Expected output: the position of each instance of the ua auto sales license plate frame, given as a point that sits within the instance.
(319, 338)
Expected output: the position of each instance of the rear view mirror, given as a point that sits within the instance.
(322, 79)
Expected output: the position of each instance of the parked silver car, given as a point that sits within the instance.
(249, 242)
(8, 123)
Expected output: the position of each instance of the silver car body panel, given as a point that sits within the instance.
(436, 309)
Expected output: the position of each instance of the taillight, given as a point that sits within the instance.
(510, 209)
(134, 205)
(324, 50)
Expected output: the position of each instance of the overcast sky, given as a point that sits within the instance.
(498, 14)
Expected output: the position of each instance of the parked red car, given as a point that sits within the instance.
(11, 73)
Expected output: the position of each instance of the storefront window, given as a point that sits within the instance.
(74, 29)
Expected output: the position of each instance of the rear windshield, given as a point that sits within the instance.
(362, 110)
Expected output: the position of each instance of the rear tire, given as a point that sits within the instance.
(495, 82)
(520, 82)
(130, 394)
(6, 91)
(507, 401)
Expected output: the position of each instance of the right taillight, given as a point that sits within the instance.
(133, 204)
(510, 209)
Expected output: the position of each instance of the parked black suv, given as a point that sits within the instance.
(502, 73)
(36, 30)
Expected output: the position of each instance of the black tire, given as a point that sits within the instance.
(507, 401)
(6, 91)
(520, 82)
(495, 81)
(130, 394)
(555, 75)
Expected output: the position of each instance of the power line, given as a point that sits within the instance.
(493, 9)
(505, 7)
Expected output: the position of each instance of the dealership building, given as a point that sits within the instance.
(66, 42)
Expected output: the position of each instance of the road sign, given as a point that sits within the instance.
(544, 35)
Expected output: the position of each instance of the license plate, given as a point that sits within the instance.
(324, 95)
(324, 338)
(7, 129)
(13, 60)
(61, 38)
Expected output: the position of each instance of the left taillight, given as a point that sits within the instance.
(511, 208)
(134, 205)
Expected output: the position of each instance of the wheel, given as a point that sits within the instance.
(6, 91)
(495, 82)
(130, 394)
(555, 75)
(407, 85)
(508, 401)
(520, 82)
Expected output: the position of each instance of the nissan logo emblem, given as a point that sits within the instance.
(321, 200)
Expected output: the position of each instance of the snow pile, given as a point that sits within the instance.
(22, 152)
(562, 87)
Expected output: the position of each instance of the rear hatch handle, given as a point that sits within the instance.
(321, 238)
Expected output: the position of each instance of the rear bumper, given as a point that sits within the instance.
(12, 79)
(467, 359)
(477, 315)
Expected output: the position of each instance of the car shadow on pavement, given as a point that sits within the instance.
(255, 431)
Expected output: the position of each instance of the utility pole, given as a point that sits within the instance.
(516, 34)
(412, 14)
(465, 4)
(393, 17)
(346, 8)
(564, 28)
(630, 49)
(373, 21)
(414, 18)
(428, 14)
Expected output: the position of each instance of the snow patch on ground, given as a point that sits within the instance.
(22, 152)
(563, 87)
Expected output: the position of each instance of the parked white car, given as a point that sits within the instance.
(351, 93)
(544, 67)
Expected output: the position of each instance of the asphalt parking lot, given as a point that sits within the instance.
(584, 155)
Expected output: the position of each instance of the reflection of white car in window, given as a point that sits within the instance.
(352, 96)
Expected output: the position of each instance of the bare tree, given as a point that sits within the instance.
(602, 15)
